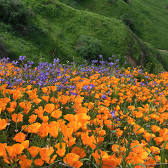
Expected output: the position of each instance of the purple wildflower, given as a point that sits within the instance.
(113, 113)
(104, 96)
(22, 58)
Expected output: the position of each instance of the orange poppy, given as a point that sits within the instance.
(34, 128)
(32, 118)
(33, 150)
(61, 148)
(19, 137)
(38, 162)
(43, 130)
(79, 151)
(56, 114)
(25, 144)
(46, 98)
(3, 124)
(36, 100)
(155, 128)
(71, 159)
(53, 129)
(25, 163)
(17, 117)
(45, 153)
(49, 108)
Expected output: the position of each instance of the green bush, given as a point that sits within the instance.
(88, 47)
(127, 1)
(129, 21)
(112, 1)
(13, 12)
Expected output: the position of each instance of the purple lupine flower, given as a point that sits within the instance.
(108, 92)
(94, 61)
(85, 87)
(22, 58)
(113, 113)
(100, 56)
(111, 64)
(14, 62)
(56, 61)
(117, 60)
(104, 96)
(72, 93)
(102, 62)
(91, 86)
(2, 80)
(116, 66)
(30, 62)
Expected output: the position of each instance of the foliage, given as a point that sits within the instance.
(129, 21)
(13, 12)
(88, 47)
(56, 28)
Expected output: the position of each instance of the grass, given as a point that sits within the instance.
(149, 17)
(55, 28)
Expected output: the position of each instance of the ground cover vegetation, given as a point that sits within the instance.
(45, 29)
(98, 115)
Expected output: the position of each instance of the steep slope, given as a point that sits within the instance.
(147, 18)
(57, 30)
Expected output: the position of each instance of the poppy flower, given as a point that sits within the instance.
(17, 117)
(79, 151)
(46, 98)
(19, 137)
(53, 129)
(38, 162)
(61, 149)
(45, 153)
(34, 128)
(33, 150)
(56, 114)
(32, 118)
(25, 144)
(49, 108)
(158, 140)
(43, 130)
(72, 159)
(3, 124)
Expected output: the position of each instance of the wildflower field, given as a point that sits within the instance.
(88, 116)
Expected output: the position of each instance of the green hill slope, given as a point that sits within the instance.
(148, 18)
(58, 30)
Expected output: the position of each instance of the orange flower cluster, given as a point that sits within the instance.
(110, 121)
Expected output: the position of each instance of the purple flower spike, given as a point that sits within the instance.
(85, 87)
(94, 61)
(113, 113)
(100, 56)
(104, 96)
(22, 58)
(111, 64)
(56, 61)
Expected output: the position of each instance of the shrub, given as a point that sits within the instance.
(3, 50)
(13, 12)
(166, 6)
(127, 1)
(88, 47)
(129, 21)
(112, 1)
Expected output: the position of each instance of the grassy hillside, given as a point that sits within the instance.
(55, 29)
(148, 17)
